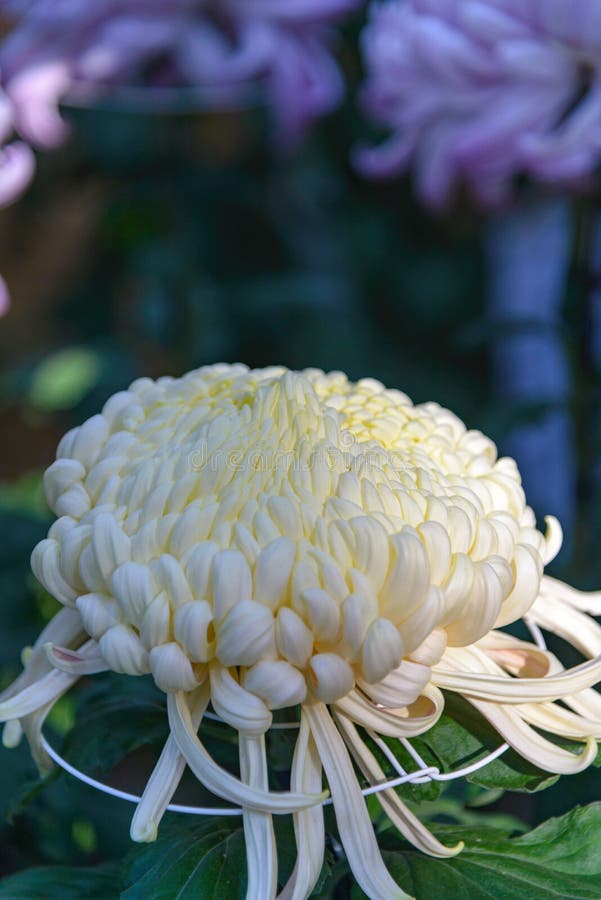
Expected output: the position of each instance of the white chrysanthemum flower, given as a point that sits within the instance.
(266, 539)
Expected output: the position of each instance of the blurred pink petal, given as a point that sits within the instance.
(17, 165)
(4, 297)
(483, 90)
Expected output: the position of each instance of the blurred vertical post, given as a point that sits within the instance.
(528, 251)
(593, 338)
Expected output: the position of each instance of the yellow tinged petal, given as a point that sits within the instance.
(261, 854)
(354, 825)
(401, 723)
(272, 571)
(163, 782)
(401, 817)
(308, 823)
(34, 696)
(276, 682)
(232, 582)
(245, 634)
(527, 569)
(238, 707)
(382, 650)
(330, 677)
(529, 744)
(171, 668)
(400, 687)
(220, 781)
(584, 601)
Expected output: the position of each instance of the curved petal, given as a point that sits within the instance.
(242, 710)
(398, 724)
(164, 780)
(505, 689)
(584, 601)
(557, 720)
(401, 687)
(73, 662)
(308, 823)
(217, 779)
(529, 744)
(261, 855)
(36, 695)
(401, 817)
(566, 621)
(65, 628)
(354, 825)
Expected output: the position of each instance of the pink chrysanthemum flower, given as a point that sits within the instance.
(483, 91)
(227, 51)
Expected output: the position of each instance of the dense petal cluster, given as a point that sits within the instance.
(483, 91)
(264, 540)
(220, 49)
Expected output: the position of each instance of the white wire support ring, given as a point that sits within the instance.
(423, 775)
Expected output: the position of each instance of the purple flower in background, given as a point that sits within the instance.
(480, 91)
(216, 52)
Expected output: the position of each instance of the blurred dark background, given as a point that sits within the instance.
(154, 244)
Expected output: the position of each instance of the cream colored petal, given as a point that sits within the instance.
(276, 682)
(293, 639)
(217, 779)
(232, 581)
(399, 688)
(238, 707)
(45, 563)
(556, 615)
(526, 660)
(48, 688)
(259, 837)
(134, 589)
(553, 539)
(401, 723)
(172, 670)
(480, 609)
(555, 719)
(354, 825)
(329, 677)
(401, 817)
(75, 662)
(322, 613)
(111, 545)
(65, 628)
(503, 689)
(192, 628)
(382, 650)
(308, 823)
(527, 572)
(529, 744)
(245, 634)
(408, 578)
(515, 656)
(99, 613)
(358, 613)
(272, 571)
(123, 651)
(165, 778)
(416, 628)
(584, 601)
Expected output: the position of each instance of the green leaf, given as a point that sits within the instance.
(64, 882)
(559, 859)
(207, 860)
(463, 736)
(64, 378)
(116, 715)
